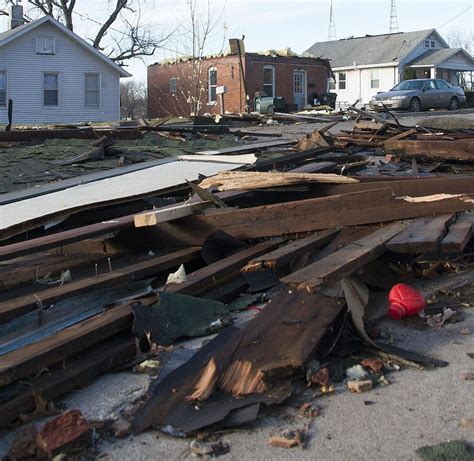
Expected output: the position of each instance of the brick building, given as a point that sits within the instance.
(171, 86)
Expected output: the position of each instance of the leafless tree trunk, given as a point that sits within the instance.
(123, 27)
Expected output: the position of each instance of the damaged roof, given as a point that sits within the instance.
(371, 49)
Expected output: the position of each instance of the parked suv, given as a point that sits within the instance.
(419, 94)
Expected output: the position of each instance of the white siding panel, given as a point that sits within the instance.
(457, 62)
(25, 81)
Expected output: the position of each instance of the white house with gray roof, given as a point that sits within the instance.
(363, 66)
(54, 76)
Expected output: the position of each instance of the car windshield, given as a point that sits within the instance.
(408, 85)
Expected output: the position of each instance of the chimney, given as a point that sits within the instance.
(15, 17)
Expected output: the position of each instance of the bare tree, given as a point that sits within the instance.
(133, 99)
(459, 38)
(198, 36)
(121, 36)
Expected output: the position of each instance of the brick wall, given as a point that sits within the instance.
(161, 102)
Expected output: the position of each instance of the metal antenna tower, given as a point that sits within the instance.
(393, 18)
(332, 25)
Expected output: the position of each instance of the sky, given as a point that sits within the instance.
(278, 24)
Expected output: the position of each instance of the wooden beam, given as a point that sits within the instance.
(290, 251)
(344, 262)
(422, 235)
(459, 234)
(369, 207)
(75, 373)
(220, 272)
(160, 215)
(18, 306)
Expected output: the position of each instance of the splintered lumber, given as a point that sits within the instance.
(459, 234)
(169, 214)
(221, 271)
(245, 363)
(309, 215)
(18, 306)
(290, 252)
(243, 180)
(75, 373)
(422, 235)
(344, 262)
(459, 149)
(53, 349)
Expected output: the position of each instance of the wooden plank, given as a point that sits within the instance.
(152, 218)
(290, 251)
(344, 262)
(15, 307)
(309, 215)
(422, 235)
(403, 134)
(454, 184)
(459, 149)
(220, 272)
(459, 234)
(29, 359)
(75, 373)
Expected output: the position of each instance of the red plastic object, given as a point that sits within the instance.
(405, 301)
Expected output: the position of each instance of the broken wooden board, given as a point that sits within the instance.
(290, 251)
(154, 217)
(218, 273)
(459, 234)
(246, 180)
(245, 362)
(309, 215)
(75, 373)
(459, 149)
(344, 262)
(422, 235)
(18, 306)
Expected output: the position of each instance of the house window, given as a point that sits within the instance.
(45, 45)
(342, 80)
(51, 89)
(212, 85)
(173, 85)
(92, 90)
(331, 84)
(430, 44)
(3, 88)
(375, 78)
(269, 80)
(232, 72)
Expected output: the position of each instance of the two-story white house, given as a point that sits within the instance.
(54, 76)
(366, 65)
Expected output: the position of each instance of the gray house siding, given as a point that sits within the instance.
(25, 69)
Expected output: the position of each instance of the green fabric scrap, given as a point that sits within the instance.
(456, 450)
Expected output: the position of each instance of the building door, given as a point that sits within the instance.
(299, 88)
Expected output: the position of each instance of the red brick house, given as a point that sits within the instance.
(186, 86)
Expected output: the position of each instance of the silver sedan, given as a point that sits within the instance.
(419, 94)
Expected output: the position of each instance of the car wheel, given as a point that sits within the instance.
(415, 105)
(453, 104)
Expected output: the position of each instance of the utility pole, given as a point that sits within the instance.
(393, 18)
(332, 25)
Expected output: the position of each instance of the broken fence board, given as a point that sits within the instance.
(18, 306)
(290, 251)
(422, 235)
(459, 234)
(344, 262)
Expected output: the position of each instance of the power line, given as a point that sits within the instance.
(457, 16)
